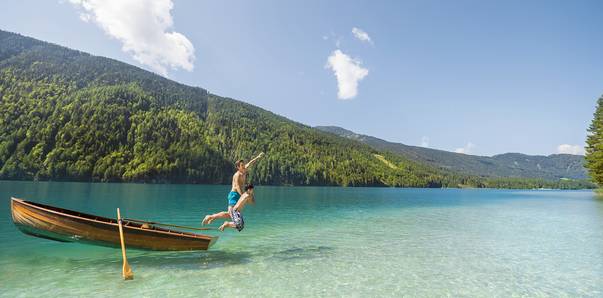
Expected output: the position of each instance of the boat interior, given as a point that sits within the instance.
(126, 222)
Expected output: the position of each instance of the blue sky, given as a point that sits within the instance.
(482, 77)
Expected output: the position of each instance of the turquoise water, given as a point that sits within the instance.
(321, 241)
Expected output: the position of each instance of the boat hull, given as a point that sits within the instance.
(69, 226)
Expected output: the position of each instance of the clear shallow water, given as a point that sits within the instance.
(321, 241)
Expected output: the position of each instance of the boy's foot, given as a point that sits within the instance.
(221, 228)
(206, 220)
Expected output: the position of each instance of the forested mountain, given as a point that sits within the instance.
(68, 115)
(552, 167)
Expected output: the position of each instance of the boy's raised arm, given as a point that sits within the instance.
(251, 162)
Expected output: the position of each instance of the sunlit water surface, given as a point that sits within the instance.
(320, 241)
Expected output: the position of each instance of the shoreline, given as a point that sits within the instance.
(598, 191)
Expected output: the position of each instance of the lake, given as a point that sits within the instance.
(320, 241)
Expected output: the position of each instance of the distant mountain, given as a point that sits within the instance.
(552, 167)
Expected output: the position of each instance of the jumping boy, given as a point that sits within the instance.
(238, 181)
(235, 212)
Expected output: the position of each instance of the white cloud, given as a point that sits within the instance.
(361, 35)
(425, 141)
(570, 149)
(348, 72)
(468, 149)
(144, 29)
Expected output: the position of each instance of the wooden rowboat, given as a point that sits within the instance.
(71, 226)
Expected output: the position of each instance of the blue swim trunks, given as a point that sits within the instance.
(233, 198)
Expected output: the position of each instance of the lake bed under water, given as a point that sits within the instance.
(320, 241)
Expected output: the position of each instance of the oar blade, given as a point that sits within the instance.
(127, 272)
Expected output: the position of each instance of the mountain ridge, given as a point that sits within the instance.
(500, 165)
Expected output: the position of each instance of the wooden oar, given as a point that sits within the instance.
(126, 270)
(168, 225)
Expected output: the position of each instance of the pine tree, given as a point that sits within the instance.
(594, 145)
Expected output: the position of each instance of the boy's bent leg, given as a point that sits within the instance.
(210, 218)
(245, 198)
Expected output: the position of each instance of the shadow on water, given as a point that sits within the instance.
(207, 260)
(295, 253)
(219, 259)
(192, 260)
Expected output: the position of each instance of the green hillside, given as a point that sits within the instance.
(552, 167)
(68, 115)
